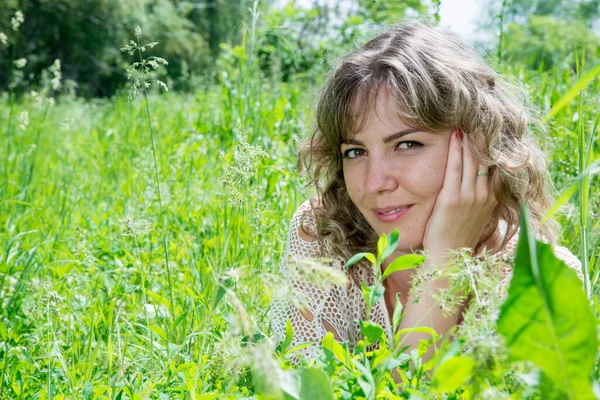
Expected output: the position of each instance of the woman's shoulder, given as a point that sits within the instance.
(303, 238)
(561, 252)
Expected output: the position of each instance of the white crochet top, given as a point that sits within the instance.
(333, 308)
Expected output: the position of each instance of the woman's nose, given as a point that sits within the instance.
(379, 177)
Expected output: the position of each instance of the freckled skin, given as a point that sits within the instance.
(391, 174)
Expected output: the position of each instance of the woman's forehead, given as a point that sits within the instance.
(373, 106)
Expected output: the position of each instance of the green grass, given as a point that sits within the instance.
(85, 306)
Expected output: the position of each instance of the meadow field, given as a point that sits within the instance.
(140, 241)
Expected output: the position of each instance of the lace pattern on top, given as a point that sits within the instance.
(333, 308)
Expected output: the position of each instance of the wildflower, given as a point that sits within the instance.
(23, 120)
(3, 39)
(45, 297)
(237, 174)
(17, 20)
(20, 63)
(133, 227)
(153, 310)
(57, 74)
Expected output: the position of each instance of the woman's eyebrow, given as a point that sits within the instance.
(398, 135)
(386, 139)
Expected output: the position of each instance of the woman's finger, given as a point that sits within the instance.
(482, 178)
(469, 173)
(482, 187)
(453, 175)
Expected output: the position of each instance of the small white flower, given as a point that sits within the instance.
(151, 310)
(20, 63)
(162, 85)
(17, 20)
(3, 38)
(138, 31)
(56, 71)
(23, 120)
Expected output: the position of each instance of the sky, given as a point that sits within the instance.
(459, 15)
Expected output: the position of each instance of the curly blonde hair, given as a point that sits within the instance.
(438, 82)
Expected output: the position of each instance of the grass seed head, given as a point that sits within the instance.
(45, 297)
(17, 20)
(134, 227)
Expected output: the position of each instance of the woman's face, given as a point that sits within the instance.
(394, 173)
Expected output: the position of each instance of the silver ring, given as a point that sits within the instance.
(482, 173)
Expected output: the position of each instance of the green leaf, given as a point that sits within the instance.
(306, 383)
(592, 169)
(571, 94)
(451, 374)
(3, 331)
(372, 294)
(338, 350)
(365, 379)
(371, 331)
(401, 263)
(289, 336)
(381, 246)
(546, 318)
(393, 241)
(397, 316)
(357, 257)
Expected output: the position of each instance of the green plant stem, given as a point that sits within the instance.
(35, 151)
(160, 203)
(4, 368)
(49, 355)
(10, 115)
(144, 300)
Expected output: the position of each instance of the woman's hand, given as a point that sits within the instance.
(463, 206)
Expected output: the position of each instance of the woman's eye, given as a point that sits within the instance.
(408, 145)
(353, 153)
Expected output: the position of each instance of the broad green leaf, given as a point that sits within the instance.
(546, 318)
(371, 331)
(451, 374)
(329, 343)
(158, 298)
(571, 94)
(357, 257)
(381, 246)
(372, 294)
(306, 383)
(393, 240)
(401, 263)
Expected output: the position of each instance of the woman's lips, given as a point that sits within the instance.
(391, 214)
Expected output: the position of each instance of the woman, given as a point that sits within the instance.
(413, 131)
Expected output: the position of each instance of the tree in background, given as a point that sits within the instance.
(544, 33)
(85, 35)
(297, 41)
